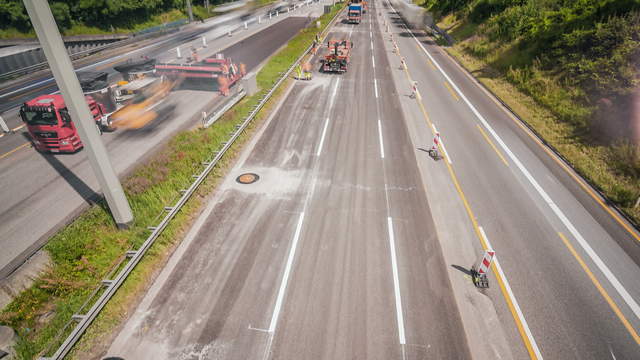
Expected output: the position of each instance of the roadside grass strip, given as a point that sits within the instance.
(91, 249)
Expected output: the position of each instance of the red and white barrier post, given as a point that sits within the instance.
(480, 269)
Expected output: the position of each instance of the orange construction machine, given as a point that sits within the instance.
(215, 73)
(338, 56)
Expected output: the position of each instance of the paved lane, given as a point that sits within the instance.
(330, 255)
(568, 315)
(39, 182)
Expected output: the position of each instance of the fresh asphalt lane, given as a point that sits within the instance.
(48, 190)
(545, 235)
(326, 256)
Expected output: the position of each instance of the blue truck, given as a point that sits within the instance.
(354, 13)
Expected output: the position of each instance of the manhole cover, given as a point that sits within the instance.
(248, 178)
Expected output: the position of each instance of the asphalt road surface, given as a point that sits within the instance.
(331, 254)
(355, 244)
(48, 190)
(571, 261)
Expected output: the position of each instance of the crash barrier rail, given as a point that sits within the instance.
(132, 257)
(75, 56)
(209, 119)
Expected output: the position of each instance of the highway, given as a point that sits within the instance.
(325, 256)
(49, 190)
(572, 262)
(15, 92)
(356, 244)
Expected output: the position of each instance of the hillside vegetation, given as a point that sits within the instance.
(75, 17)
(578, 60)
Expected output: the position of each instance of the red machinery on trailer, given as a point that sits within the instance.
(338, 56)
(215, 73)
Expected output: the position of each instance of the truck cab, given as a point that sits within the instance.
(50, 125)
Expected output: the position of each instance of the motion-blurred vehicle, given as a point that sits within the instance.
(214, 73)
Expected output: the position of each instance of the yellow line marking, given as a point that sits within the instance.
(453, 93)
(484, 134)
(18, 127)
(470, 214)
(602, 291)
(564, 166)
(14, 150)
(431, 64)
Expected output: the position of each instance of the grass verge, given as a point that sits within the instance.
(86, 251)
(545, 109)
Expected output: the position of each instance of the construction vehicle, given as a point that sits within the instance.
(214, 73)
(137, 76)
(354, 13)
(144, 107)
(49, 123)
(363, 4)
(338, 56)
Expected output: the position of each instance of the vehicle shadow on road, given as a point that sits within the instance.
(76, 183)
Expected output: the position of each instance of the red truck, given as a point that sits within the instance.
(48, 120)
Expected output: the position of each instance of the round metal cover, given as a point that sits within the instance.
(248, 178)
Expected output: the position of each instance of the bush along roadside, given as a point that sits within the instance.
(563, 113)
(90, 248)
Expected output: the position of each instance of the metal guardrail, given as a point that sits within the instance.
(135, 256)
(209, 119)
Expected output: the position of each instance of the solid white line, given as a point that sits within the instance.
(527, 331)
(446, 153)
(375, 86)
(333, 94)
(285, 276)
(633, 305)
(381, 142)
(396, 283)
(373, 61)
(324, 133)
